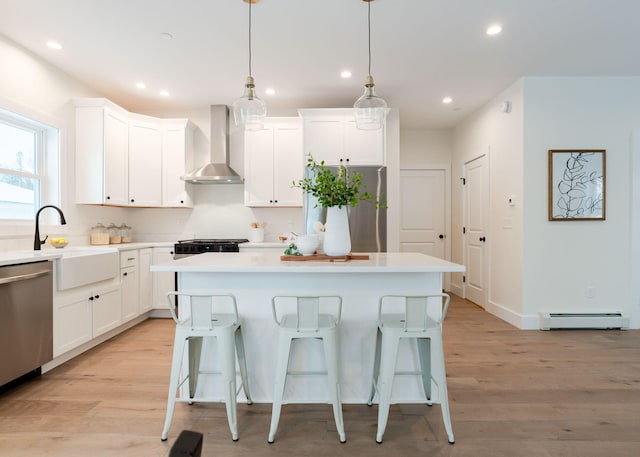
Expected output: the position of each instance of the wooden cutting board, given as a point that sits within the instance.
(324, 258)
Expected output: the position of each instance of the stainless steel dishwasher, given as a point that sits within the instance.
(26, 319)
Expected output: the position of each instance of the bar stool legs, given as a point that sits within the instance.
(202, 323)
(418, 325)
(307, 322)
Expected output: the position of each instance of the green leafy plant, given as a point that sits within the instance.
(339, 187)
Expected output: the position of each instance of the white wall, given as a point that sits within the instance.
(33, 87)
(562, 259)
(540, 265)
(431, 146)
(490, 131)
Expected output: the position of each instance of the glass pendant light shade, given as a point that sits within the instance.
(370, 110)
(249, 111)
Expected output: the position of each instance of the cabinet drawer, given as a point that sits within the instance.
(129, 258)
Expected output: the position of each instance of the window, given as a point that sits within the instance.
(28, 165)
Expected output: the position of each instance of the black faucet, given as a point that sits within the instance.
(36, 239)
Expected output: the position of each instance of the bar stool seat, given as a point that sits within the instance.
(200, 319)
(415, 322)
(307, 322)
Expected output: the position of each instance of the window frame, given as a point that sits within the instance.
(50, 134)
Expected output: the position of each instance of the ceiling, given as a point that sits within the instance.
(422, 50)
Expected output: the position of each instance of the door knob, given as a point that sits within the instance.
(441, 236)
(483, 239)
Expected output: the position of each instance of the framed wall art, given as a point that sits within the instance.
(577, 184)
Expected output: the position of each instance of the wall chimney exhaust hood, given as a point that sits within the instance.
(218, 170)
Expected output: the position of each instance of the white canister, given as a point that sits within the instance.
(256, 235)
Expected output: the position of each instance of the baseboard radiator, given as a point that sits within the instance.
(612, 320)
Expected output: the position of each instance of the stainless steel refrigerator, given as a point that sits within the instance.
(367, 224)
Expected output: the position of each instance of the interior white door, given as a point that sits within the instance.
(476, 197)
(422, 214)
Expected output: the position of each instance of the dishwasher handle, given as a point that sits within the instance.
(17, 278)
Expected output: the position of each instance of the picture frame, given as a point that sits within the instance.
(577, 184)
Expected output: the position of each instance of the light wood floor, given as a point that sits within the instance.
(512, 393)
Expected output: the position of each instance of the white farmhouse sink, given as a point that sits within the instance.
(82, 266)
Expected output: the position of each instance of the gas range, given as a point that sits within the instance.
(198, 246)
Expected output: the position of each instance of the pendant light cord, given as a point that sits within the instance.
(369, 27)
(250, 2)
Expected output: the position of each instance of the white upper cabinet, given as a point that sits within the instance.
(177, 145)
(102, 145)
(145, 161)
(128, 159)
(273, 160)
(331, 135)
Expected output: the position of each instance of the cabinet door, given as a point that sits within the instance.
(145, 164)
(145, 280)
(364, 147)
(130, 293)
(324, 139)
(71, 324)
(106, 308)
(116, 143)
(287, 165)
(258, 165)
(163, 281)
(177, 142)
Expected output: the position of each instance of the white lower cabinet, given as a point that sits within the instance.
(163, 282)
(145, 301)
(130, 293)
(86, 312)
(129, 284)
(72, 324)
(107, 312)
(83, 313)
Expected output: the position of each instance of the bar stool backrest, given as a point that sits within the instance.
(205, 309)
(308, 310)
(416, 310)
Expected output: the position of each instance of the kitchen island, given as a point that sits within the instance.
(254, 277)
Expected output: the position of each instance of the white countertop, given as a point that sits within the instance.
(50, 253)
(269, 262)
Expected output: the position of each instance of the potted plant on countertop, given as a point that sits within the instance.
(335, 189)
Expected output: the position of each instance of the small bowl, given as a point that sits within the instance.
(307, 244)
(58, 244)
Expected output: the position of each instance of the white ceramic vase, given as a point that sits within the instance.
(337, 239)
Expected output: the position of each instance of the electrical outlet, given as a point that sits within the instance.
(591, 292)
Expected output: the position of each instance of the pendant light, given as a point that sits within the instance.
(370, 110)
(249, 111)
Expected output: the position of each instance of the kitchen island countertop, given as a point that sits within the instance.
(270, 262)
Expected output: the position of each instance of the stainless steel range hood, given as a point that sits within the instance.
(218, 170)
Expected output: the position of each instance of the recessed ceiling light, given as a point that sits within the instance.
(141, 85)
(269, 91)
(447, 100)
(345, 74)
(166, 36)
(164, 93)
(54, 45)
(494, 29)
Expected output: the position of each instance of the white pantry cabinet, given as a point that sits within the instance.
(102, 142)
(145, 161)
(273, 160)
(177, 146)
(331, 135)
